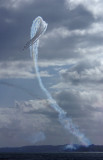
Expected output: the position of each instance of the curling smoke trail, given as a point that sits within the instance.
(63, 119)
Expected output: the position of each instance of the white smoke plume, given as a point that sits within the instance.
(41, 26)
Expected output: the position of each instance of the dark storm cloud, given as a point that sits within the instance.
(16, 23)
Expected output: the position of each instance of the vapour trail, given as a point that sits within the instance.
(63, 119)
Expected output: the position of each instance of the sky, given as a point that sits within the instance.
(71, 67)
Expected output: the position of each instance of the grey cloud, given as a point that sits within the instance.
(73, 103)
(82, 111)
(13, 4)
(38, 107)
(14, 35)
(82, 18)
(21, 129)
(19, 69)
(95, 7)
(24, 129)
(83, 102)
(85, 72)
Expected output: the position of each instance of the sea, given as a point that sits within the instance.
(53, 156)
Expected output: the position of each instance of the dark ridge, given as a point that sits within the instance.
(52, 149)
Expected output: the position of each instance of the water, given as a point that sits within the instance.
(53, 156)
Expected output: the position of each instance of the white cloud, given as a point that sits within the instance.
(91, 75)
(85, 80)
(60, 86)
(33, 106)
(25, 69)
(19, 69)
(84, 73)
(94, 6)
(14, 4)
(56, 63)
(63, 32)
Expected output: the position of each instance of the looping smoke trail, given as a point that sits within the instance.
(64, 120)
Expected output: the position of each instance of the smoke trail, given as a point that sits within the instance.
(63, 119)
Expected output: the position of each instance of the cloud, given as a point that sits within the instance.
(79, 89)
(29, 124)
(87, 72)
(22, 129)
(81, 39)
(33, 106)
(14, 4)
(40, 136)
(19, 69)
(84, 109)
(70, 61)
(94, 6)
(17, 25)
(64, 32)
